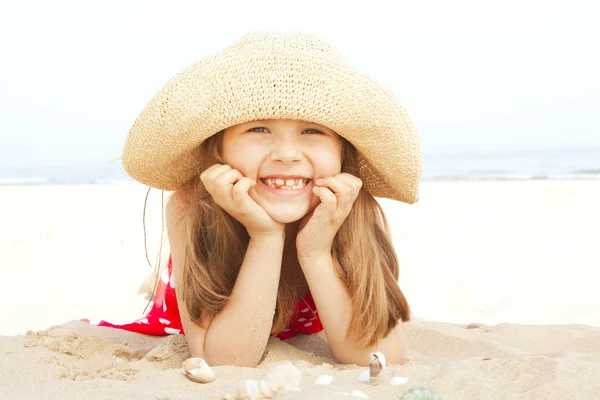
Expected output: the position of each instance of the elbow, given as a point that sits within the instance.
(351, 355)
(223, 353)
(397, 358)
(392, 348)
(232, 362)
(219, 358)
(363, 358)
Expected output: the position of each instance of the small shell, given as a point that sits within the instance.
(358, 393)
(398, 381)
(250, 389)
(376, 364)
(281, 377)
(380, 357)
(324, 380)
(421, 393)
(247, 389)
(364, 376)
(354, 393)
(197, 370)
(287, 374)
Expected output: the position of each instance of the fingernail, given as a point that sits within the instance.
(319, 181)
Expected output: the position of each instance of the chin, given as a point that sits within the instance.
(287, 214)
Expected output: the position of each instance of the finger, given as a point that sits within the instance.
(228, 177)
(328, 200)
(241, 188)
(225, 182)
(208, 171)
(341, 189)
(355, 183)
(208, 176)
(213, 167)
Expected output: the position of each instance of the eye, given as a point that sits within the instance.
(254, 129)
(314, 132)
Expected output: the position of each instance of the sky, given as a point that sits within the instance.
(473, 75)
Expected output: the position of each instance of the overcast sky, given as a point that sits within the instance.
(474, 75)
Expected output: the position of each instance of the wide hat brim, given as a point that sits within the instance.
(275, 76)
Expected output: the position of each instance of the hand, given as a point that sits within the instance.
(317, 230)
(231, 191)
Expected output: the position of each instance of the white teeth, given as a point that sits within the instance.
(288, 184)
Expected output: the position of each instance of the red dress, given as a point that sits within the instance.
(163, 318)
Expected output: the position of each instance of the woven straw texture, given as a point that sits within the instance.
(268, 75)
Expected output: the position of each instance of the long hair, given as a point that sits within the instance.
(216, 243)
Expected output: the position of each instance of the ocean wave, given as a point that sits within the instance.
(513, 177)
(24, 181)
(589, 171)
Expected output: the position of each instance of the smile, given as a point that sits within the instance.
(286, 186)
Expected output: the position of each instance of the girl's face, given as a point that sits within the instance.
(285, 157)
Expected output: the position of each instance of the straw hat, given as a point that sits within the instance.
(269, 75)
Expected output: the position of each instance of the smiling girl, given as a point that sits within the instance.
(275, 149)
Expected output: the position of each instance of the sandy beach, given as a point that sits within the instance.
(502, 278)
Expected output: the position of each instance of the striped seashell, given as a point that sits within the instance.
(197, 370)
(421, 393)
(283, 376)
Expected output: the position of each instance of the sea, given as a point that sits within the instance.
(469, 165)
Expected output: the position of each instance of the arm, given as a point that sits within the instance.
(335, 309)
(238, 334)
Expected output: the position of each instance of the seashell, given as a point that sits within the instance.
(376, 365)
(364, 376)
(324, 380)
(197, 370)
(287, 374)
(354, 393)
(281, 377)
(398, 381)
(381, 358)
(250, 389)
(421, 393)
(358, 393)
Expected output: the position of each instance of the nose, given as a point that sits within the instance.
(286, 151)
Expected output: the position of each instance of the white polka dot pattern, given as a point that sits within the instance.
(164, 319)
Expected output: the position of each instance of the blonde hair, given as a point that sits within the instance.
(364, 257)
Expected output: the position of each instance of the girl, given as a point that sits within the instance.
(275, 148)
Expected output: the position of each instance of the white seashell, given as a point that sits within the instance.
(324, 380)
(364, 376)
(281, 377)
(354, 393)
(376, 365)
(421, 392)
(197, 370)
(358, 393)
(398, 380)
(250, 389)
(380, 357)
(286, 374)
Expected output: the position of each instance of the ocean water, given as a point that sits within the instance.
(480, 165)
(522, 164)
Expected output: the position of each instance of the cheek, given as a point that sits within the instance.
(242, 158)
(328, 161)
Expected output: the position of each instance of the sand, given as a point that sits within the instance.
(502, 278)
